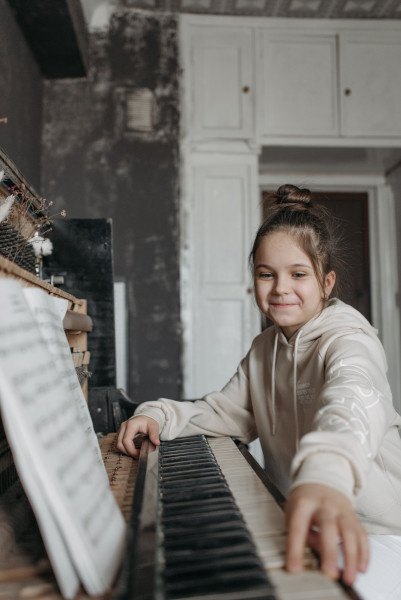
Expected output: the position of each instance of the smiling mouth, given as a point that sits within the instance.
(282, 305)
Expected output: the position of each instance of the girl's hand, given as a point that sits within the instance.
(129, 429)
(320, 516)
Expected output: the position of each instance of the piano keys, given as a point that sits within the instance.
(218, 532)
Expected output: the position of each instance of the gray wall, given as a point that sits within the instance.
(20, 99)
(94, 168)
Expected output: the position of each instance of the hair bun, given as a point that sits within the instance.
(291, 194)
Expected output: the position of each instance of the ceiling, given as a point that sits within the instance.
(310, 9)
(45, 23)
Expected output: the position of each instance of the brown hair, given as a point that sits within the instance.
(292, 210)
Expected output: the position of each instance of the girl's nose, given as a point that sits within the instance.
(281, 286)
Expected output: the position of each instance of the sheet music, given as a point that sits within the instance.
(54, 452)
(49, 312)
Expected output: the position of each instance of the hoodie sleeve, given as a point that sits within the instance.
(355, 413)
(224, 413)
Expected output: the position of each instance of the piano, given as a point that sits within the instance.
(204, 524)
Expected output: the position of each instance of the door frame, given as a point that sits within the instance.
(384, 285)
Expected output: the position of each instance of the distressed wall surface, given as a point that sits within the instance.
(94, 167)
(20, 99)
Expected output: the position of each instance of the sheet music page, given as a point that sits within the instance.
(57, 463)
(49, 313)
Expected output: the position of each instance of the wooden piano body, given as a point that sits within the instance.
(158, 564)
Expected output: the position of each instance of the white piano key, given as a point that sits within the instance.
(307, 585)
(266, 523)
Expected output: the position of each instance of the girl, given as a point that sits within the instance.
(313, 388)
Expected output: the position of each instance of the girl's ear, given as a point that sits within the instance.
(329, 282)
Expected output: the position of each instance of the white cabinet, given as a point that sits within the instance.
(340, 84)
(370, 84)
(269, 81)
(297, 84)
(220, 79)
(224, 317)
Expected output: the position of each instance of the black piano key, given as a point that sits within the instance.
(195, 493)
(192, 507)
(201, 567)
(216, 582)
(206, 539)
(188, 461)
(190, 556)
(185, 452)
(208, 551)
(172, 473)
(199, 519)
(186, 482)
(202, 515)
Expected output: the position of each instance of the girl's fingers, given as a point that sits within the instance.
(364, 552)
(328, 532)
(298, 522)
(128, 430)
(355, 545)
(125, 439)
(153, 432)
(322, 517)
(350, 544)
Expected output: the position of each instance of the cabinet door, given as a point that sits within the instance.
(220, 83)
(297, 84)
(370, 84)
(224, 314)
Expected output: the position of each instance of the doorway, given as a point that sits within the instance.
(351, 210)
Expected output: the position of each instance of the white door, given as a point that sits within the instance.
(220, 79)
(370, 71)
(223, 315)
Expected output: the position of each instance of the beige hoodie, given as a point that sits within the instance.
(320, 404)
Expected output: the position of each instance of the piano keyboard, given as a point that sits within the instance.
(207, 528)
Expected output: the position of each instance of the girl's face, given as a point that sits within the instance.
(287, 290)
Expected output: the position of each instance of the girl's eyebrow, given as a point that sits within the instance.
(301, 265)
(296, 265)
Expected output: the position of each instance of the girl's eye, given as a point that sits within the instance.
(299, 275)
(265, 275)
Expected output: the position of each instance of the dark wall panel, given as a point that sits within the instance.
(83, 256)
(96, 164)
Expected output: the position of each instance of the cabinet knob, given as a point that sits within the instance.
(250, 290)
(246, 89)
(347, 92)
